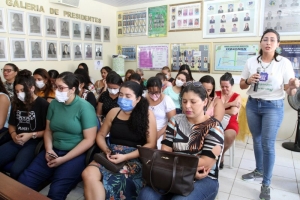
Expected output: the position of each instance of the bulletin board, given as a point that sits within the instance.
(128, 50)
(152, 57)
(291, 50)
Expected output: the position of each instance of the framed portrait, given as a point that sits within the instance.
(50, 26)
(98, 51)
(2, 21)
(88, 29)
(129, 51)
(16, 21)
(88, 51)
(77, 30)
(77, 49)
(34, 24)
(282, 16)
(64, 27)
(290, 50)
(225, 18)
(65, 47)
(17, 49)
(51, 50)
(36, 50)
(3, 49)
(106, 33)
(97, 33)
(185, 16)
(196, 55)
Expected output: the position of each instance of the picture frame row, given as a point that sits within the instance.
(40, 50)
(39, 25)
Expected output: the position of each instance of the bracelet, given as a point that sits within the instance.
(247, 82)
(12, 132)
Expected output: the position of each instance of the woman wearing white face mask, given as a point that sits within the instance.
(27, 123)
(174, 91)
(109, 98)
(84, 92)
(161, 105)
(43, 85)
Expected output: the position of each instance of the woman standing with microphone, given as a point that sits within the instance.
(265, 105)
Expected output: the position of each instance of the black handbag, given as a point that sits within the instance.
(168, 172)
(102, 160)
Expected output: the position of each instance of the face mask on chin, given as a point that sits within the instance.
(61, 96)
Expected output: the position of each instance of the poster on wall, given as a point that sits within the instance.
(291, 50)
(152, 57)
(36, 50)
(16, 22)
(65, 50)
(97, 33)
(232, 57)
(88, 51)
(77, 49)
(17, 49)
(194, 54)
(98, 51)
(3, 49)
(64, 28)
(186, 16)
(230, 18)
(50, 26)
(132, 22)
(282, 16)
(76, 30)
(2, 21)
(51, 50)
(129, 51)
(157, 21)
(34, 24)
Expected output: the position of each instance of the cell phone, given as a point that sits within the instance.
(52, 155)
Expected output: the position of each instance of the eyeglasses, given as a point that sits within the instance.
(154, 93)
(7, 70)
(59, 88)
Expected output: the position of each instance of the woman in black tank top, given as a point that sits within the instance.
(130, 125)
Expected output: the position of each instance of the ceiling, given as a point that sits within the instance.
(121, 3)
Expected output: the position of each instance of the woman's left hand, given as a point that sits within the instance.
(55, 162)
(293, 83)
(201, 173)
(23, 138)
(117, 158)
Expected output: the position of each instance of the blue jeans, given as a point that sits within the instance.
(21, 155)
(63, 178)
(204, 189)
(264, 119)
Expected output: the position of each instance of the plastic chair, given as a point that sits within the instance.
(231, 155)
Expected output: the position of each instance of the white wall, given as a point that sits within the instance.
(196, 36)
(86, 7)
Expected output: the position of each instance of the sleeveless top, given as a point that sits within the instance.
(120, 134)
(8, 112)
(210, 109)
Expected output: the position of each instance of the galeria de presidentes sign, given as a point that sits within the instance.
(53, 11)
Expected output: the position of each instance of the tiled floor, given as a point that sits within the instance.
(285, 182)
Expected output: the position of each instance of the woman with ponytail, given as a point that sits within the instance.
(125, 135)
(27, 123)
(43, 84)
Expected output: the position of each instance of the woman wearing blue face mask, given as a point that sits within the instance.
(130, 125)
(71, 128)
(27, 123)
(109, 98)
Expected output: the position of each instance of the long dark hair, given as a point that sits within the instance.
(211, 80)
(82, 79)
(278, 40)
(186, 67)
(48, 86)
(2, 88)
(53, 73)
(24, 78)
(84, 73)
(154, 82)
(114, 78)
(140, 113)
(85, 67)
(199, 90)
(70, 80)
(129, 71)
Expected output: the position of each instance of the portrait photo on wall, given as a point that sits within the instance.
(106, 33)
(88, 31)
(88, 51)
(50, 26)
(98, 51)
(16, 22)
(2, 20)
(3, 49)
(77, 49)
(97, 33)
(36, 50)
(64, 28)
(76, 30)
(290, 50)
(65, 50)
(51, 50)
(17, 49)
(34, 24)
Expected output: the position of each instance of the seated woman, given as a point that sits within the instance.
(53, 74)
(101, 85)
(141, 73)
(215, 107)
(125, 135)
(10, 72)
(90, 85)
(71, 128)
(161, 105)
(86, 69)
(167, 72)
(4, 113)
(174, 91)
(27, 123)
(109, 98)
(207, 145)
(164, 81)
(185, 68)
(232, 103)
(84, 92)
(128, 74)
(43, 84)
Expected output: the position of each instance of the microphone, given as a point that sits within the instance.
(256, 84)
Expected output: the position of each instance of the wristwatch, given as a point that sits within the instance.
(34, 135)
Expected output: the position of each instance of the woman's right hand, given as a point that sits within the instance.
(201, 172)
(50, 155)
(254, 78)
